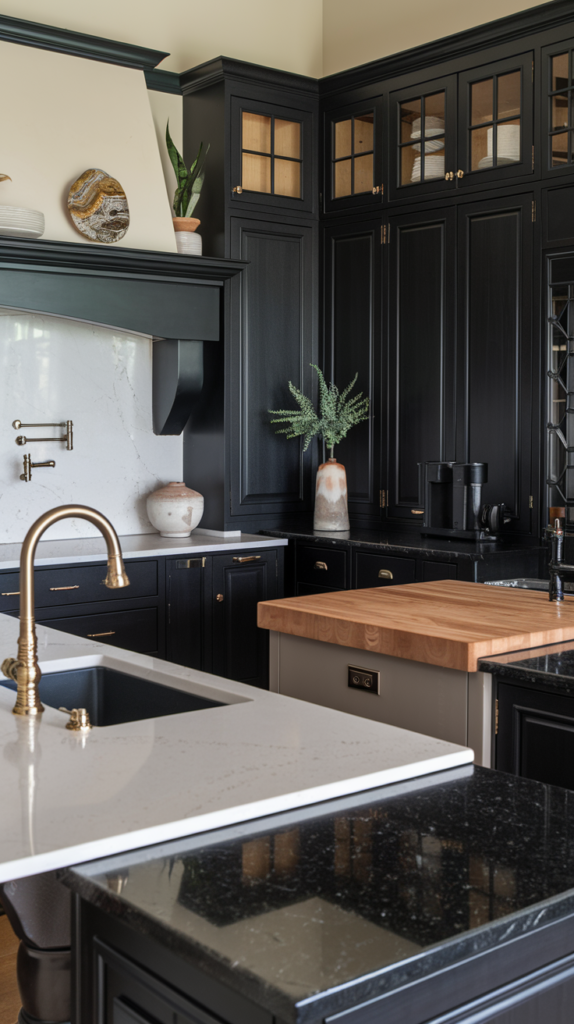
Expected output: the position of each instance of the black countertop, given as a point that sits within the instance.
(547, 668)
(406, 543)
(313, 911)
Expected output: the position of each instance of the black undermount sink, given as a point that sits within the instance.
(113, 697)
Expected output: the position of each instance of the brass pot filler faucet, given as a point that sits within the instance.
(24, 669)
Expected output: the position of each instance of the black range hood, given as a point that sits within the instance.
(165, 295)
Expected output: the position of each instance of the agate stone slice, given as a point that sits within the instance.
(99, 206)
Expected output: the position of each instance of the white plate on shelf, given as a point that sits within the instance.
(20, 222)
(434, 168)
(488, 160)
(430, 145)
(433, 126)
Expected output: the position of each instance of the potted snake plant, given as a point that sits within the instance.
(186, 196)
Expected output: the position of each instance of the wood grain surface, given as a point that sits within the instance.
(447, 623)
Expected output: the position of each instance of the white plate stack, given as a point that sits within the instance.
(434, 165)
(507, 145)
(20, 222)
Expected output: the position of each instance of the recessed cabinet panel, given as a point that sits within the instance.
(241, 649)
(274, 344)
(421, 352)
(353, 288)
(494, 389)
(535, 735)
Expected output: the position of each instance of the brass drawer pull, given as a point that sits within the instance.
(246, 558)
(418, 511)
(219, 597)
(76, 586)
(109, 632)
(10, 593)
(321, 565)
(385, 574)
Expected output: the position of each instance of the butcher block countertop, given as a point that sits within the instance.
(448, 623)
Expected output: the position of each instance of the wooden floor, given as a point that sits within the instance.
(9, 998)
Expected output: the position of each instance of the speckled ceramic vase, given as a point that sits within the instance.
(175, 510)
(331, 512)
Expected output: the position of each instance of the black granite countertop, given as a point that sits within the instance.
(547, 668)
(313, 911)
(405, 543)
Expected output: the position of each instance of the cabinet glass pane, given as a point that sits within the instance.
(560, 111)
(559, 152)
(509, 95)
(479, 140)
(287, 138)
(482, 101)
(364, 128)
(353, 160)
(288, 178)
(256, 172)
(363, 174)
(256, 132)
(422, 120)
(343, 138)
(560, 480)
(507, 142)
(343, 179)
(560, 78)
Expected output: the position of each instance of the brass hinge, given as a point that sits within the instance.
(533, 210)
(383, 499)
(385, 234)
(533, 158)
(496, 718)
(531, 501)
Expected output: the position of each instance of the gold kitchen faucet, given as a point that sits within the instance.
(24, 669)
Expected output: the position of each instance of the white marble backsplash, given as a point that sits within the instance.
(52, 369)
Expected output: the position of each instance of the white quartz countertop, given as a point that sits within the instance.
(67, 798)
(88, 549)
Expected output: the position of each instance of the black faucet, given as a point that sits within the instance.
(557, 566)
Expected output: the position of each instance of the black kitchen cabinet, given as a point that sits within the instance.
(535, 734)
(353, 345)
(422, 138)
(187, 582)
(240, 581)
(557, 124)
(261, 199)
(353, 141)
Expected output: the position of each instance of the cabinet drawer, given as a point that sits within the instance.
(368, 570)
(79, 585)
(322, 567)
(438, 571)
(303, 589)
(133, 630)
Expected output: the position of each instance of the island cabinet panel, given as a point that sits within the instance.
(240, 649)
(421, 352)
(353, 346)
(535, 734)
(187, 580)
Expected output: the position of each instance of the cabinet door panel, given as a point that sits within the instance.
(494, 391)
(275, 318)
(536, 735)
(240, 648)
(421, 306)
(186, 611)
(354, 156)
(423, 139)
(353, 345)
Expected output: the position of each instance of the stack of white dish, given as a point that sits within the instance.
(434, 165)
(21, 222)
(507, 145)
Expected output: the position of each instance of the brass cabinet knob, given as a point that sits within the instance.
(238, 189)
(449, 176)
(219, 597)
(460, 174)
(378, 190)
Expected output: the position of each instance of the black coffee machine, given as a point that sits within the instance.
(451, 494)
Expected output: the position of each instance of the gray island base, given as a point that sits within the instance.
(447, 899)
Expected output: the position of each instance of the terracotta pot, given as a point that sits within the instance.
(331, 512)
(186, 238)
(175, 510)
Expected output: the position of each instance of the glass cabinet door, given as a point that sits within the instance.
(558, 109)
(272, 155)
(423, 138)
(495, 121)
(560, 394)
(353, 165)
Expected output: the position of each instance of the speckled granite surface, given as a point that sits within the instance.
(542, 668)
(313, 911)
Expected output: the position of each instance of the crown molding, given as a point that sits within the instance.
(77, 44)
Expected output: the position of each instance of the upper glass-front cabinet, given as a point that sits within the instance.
(423, 138)
(353, 146)
(558, 105)
(272, 155)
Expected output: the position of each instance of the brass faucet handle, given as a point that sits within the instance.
(10, 667)
(79, 719)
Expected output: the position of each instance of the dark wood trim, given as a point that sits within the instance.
(494, 33)
(158, 80)
(225, 68)
(78, 44)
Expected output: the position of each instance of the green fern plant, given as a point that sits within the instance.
(337, 413)
(189, 182)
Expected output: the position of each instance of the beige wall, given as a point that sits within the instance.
(167, 107)
(271, 32)
(63, 115)
(364, 30)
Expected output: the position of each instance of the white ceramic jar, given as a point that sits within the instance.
(175, 510)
